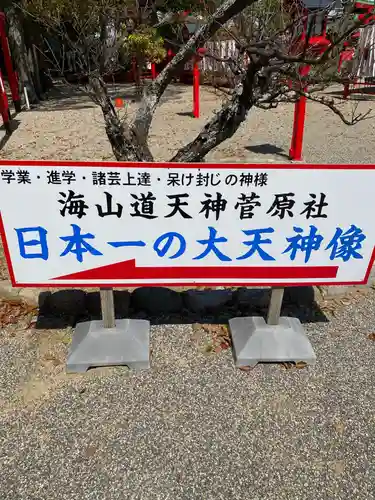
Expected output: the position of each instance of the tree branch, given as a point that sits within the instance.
(155, 90)
(275, 53)
(331, 104)
(125, 143)
(225, 123)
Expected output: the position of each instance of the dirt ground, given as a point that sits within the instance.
(68, 126)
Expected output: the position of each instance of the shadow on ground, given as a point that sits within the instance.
(73, 97)
(361, 94)
(14, 125)
(267, 149)
(130, 93)
(165, 306)
(185, 113)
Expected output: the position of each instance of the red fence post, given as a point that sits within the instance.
(12, 76)
(294, 133)
(153, 71)
(196, 81)
(196, 107)
(295, 151)
(4, 107)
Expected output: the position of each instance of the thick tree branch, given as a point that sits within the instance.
(168, 18)
(225, 123)
(155, 90)
(125, 143)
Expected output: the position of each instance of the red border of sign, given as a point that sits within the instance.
(266, 166)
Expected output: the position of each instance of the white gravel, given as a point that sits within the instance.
(68, 126)
(193, 427)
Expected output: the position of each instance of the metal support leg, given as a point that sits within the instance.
(109, 342)
(274, 309)
(108, 307)
(280, 339)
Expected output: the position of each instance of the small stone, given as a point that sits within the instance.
(7, 291)
(53, 359)
(156, 300)
(30, 295)
(335, 291)
(246, 368)
(90, 451)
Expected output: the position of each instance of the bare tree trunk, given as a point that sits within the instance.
(38, 83)
(223, 124)
(19, 52)
(126, 143)
(108, 54)
(33, 69)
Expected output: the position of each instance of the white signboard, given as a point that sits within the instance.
(112, 224)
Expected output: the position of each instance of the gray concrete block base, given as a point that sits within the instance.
(126, 344)
(254, 341)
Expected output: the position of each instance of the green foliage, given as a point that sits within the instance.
(83, 20)
(144, 44)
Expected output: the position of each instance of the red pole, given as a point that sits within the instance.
(295, 121)
(153, 71)
(295, 151)
(196, 89)
(4, 107)
(12, 77)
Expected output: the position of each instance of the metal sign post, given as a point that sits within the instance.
(108, 307)
(274, 309)
(280, 339)
(108, 342)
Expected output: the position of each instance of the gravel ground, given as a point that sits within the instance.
(68, 126)
(193, 427)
